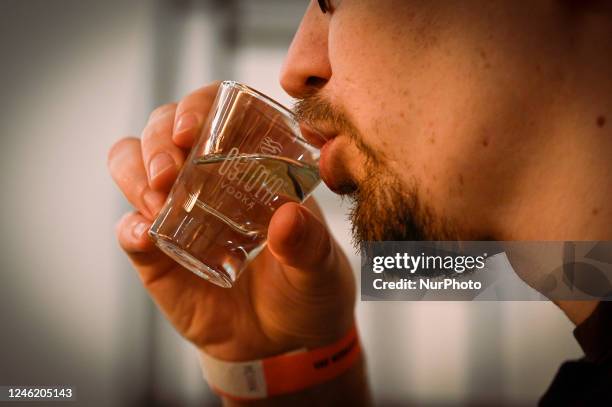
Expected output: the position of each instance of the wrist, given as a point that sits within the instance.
(281, 374)
(276, 341)
(349, 388)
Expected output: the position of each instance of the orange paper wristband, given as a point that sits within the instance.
(282, 374)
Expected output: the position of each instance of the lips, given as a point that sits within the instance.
(326, 168)
(314, 137)
(333, 173)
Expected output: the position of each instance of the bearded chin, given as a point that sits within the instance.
(388, 211)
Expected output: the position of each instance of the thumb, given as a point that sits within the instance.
(302, 243)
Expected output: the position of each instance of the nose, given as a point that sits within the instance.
(307, 67)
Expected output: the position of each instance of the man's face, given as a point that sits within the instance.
(437, 111)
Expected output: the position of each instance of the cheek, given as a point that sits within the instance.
(461, 152)
(387, 79)
(444, 138)
(434, 106)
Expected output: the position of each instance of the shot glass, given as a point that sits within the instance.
(249, 159)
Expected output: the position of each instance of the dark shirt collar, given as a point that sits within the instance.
(595, 334)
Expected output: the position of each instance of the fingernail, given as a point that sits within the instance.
(186, 122)
(160, 163)
(154, 201)
(139, 230)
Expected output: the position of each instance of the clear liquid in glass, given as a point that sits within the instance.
(221, 207)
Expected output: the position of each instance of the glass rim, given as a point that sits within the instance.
(271, 102)
(264, 98)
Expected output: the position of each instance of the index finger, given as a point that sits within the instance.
(191, 112)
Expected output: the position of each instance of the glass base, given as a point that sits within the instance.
(191, 263)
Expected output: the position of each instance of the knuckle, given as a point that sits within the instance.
(210, 89)
(196, 97)
(118, 228)
(125, 244)
(214, 85)
(118, 146)
(162, 110)
(151, 132)
(121, 225)
(140, 190)
(158, 130)
(123, 233)
(125, 219)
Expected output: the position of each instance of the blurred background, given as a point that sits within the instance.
(77, 75)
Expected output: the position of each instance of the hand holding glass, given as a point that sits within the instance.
(248, 161)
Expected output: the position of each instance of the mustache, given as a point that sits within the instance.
(315, 108)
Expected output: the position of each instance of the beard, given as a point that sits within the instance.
(383, 208)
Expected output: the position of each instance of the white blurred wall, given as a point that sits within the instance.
(72, 81)
(77, 75)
